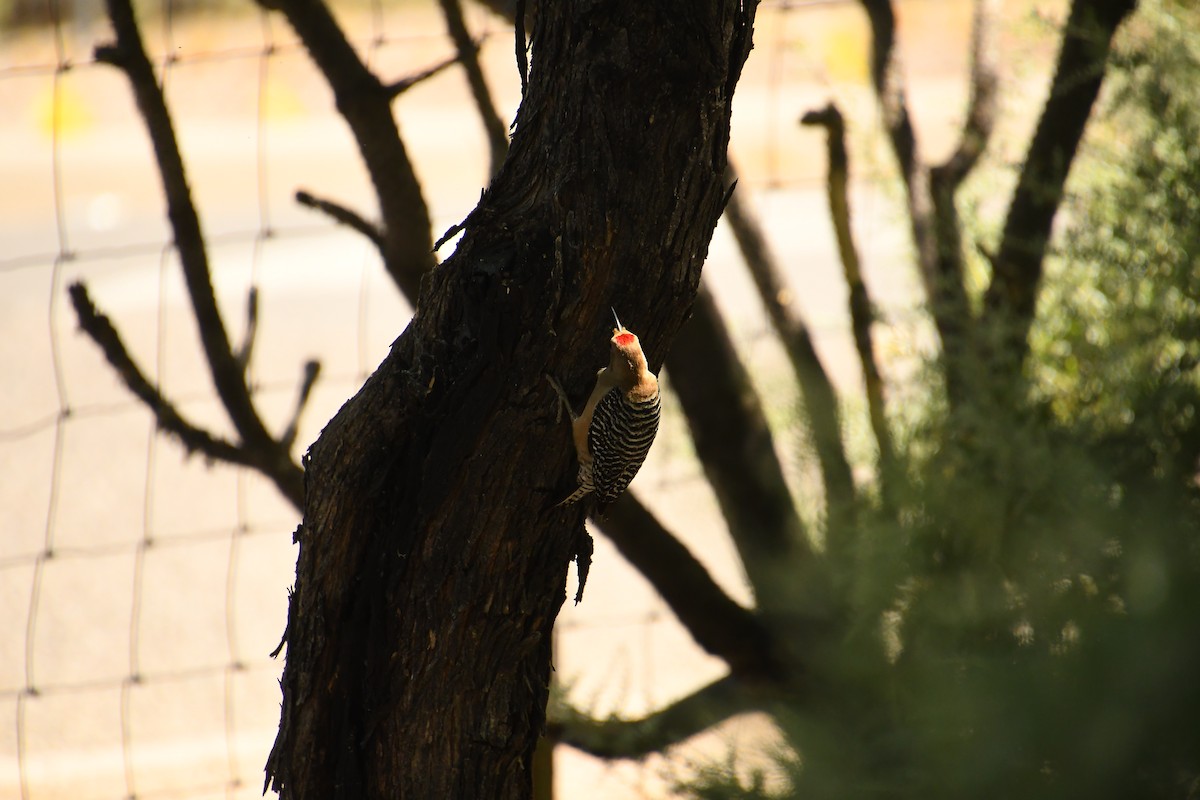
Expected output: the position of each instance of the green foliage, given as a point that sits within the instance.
(1024, 626)
(1024, 617)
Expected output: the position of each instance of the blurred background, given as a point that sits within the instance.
(142, 589)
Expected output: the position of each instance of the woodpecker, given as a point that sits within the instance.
(614, 432)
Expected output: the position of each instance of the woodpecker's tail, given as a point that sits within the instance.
(574, 497)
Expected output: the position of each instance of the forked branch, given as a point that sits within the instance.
(365, 103)
(194, 439)
(949, 291)
(339, 213)
(468, 50)
(129, 55)
(980, 119)
(257, 447)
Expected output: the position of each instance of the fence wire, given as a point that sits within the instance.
(143, 590)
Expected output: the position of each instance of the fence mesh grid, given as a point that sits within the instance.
(143, 589)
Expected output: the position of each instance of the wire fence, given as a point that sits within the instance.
(142, 589)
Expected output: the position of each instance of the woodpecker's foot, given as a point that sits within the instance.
(562, 395)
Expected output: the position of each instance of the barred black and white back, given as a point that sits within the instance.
(619, 438)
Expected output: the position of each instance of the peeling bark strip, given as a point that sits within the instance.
(430, 568)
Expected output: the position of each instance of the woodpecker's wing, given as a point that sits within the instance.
(619, 439)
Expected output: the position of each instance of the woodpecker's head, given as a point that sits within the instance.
(627, 358)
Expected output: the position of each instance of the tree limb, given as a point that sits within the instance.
(312, 369)
(981, 107)
(129, 55)
(345, 216)
(717, 623)
(949, 290)
(397, 88)
(889, 88)
(195, 440)
(820, 398)
(1011, 296)
(735, 447)
(944, 289)
(365, 104)
(246, 350)
(861, 315)
(497, 131)
(634, 738)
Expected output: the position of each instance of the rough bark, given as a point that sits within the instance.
(431, 564)
(365, 103)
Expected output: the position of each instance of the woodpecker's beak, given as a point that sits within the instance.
(620, 327)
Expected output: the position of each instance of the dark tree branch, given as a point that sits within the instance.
(129, 55)
(889, 87)
(247, 348)
(365, 103)
(195, 440)
(861, 315)
(401, 86)
(942, 281)
(717, 623)
(312, 369)
(1011, 296)
(735, 447)
(981, 107)
(820, 398)
(949, 291)
(343, 215)
(634, 738)
(497, 131)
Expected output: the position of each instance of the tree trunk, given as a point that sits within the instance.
(432, 561)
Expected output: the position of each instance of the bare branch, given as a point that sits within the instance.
(735, 446)
(497, 131)
(861, 315)
(1012, 294)
(365, 104)
(717, 623)
(889, 87)
(821, 404)
(401, 86)
(343, 215)
(129, 55)
(937, 249)
(247, 348)
(634, 738)
(101, 330)
(981, 107)
(948, 294)
(312, 369)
